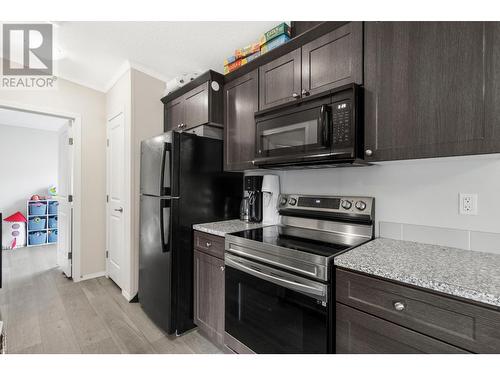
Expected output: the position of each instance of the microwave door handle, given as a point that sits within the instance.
(319, 293)
(323, 118)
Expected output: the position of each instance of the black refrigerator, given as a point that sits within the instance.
(182, 183)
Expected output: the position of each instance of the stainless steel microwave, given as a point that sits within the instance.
(321, 130)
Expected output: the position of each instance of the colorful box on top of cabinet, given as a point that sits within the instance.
(281, 29)
(243, 52)
(247, 50)
(239, 63)
(275, 43)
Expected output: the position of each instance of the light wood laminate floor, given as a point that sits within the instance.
(44, 312)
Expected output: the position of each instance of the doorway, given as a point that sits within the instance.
(39, 157)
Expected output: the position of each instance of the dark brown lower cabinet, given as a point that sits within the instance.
(361, 333)
(209, 295)
(379, 315)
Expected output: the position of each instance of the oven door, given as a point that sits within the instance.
(294, 134)
(272, 311)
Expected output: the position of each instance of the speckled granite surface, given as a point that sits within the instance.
(221, 228)
(469, 274)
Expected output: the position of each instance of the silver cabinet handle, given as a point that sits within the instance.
(295, 95)
(368, 152)
(399, 306)
(304, 92)
(119, 209)
(208, 244)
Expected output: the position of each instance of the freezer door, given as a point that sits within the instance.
(155, 260)
(156, 165)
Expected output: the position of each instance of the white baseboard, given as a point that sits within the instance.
(126, 295)
(92, 276)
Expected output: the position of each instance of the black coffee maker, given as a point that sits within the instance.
(253, 187)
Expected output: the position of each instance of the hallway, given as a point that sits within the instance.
(44, 312)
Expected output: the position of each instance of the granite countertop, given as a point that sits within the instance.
(221, 228)
(463, 273)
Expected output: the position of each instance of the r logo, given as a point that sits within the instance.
(27, 49)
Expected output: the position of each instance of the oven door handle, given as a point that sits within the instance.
(319, 292)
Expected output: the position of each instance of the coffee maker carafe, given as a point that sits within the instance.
(253, 188)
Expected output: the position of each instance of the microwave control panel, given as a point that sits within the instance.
(341, 121)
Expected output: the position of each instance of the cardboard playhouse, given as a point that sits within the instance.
(14, 231)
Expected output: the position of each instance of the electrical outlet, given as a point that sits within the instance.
(467, 204)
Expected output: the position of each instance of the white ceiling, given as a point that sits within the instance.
(94, 53)
(23, 119)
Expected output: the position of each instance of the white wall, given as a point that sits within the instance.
(89, 104)
(147, 121)
(423, 192)
(28, 165)
(138, 96)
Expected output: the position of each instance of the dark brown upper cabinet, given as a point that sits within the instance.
(196, 103)
(330, 61)
(174, 113)
(333, 60)
(280, 80)
(431, 89)
(196, 106)
(241, 98)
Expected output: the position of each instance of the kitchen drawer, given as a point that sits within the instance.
(461, 324)
(361, 333)
(209, 244)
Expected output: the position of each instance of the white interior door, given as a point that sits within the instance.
(65, 197)
(116, 198)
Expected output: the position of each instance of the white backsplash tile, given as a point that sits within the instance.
(484, 241)
(390, 230)
(436, 236)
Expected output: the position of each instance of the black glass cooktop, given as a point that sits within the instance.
(287, 237)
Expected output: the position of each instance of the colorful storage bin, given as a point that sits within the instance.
(38, 208)
(37, 238)
(36, 223)
(53, 236)
(52, 222)
(53, 208)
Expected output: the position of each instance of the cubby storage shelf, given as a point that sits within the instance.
(46, 215)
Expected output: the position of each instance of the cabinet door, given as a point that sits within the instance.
(209, 295)
(196, 106)
(280, 80)
(174, 114)
(333, 60)
(361, 333)
(241, 98)
(430, 89)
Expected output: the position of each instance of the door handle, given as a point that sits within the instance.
(119, 209)
(325, 127)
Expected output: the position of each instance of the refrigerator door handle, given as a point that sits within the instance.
(165, 224)
(166, 180)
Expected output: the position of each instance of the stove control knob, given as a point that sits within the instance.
(283, 201)
(346, 205)
(292, 201)
(360, 205)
